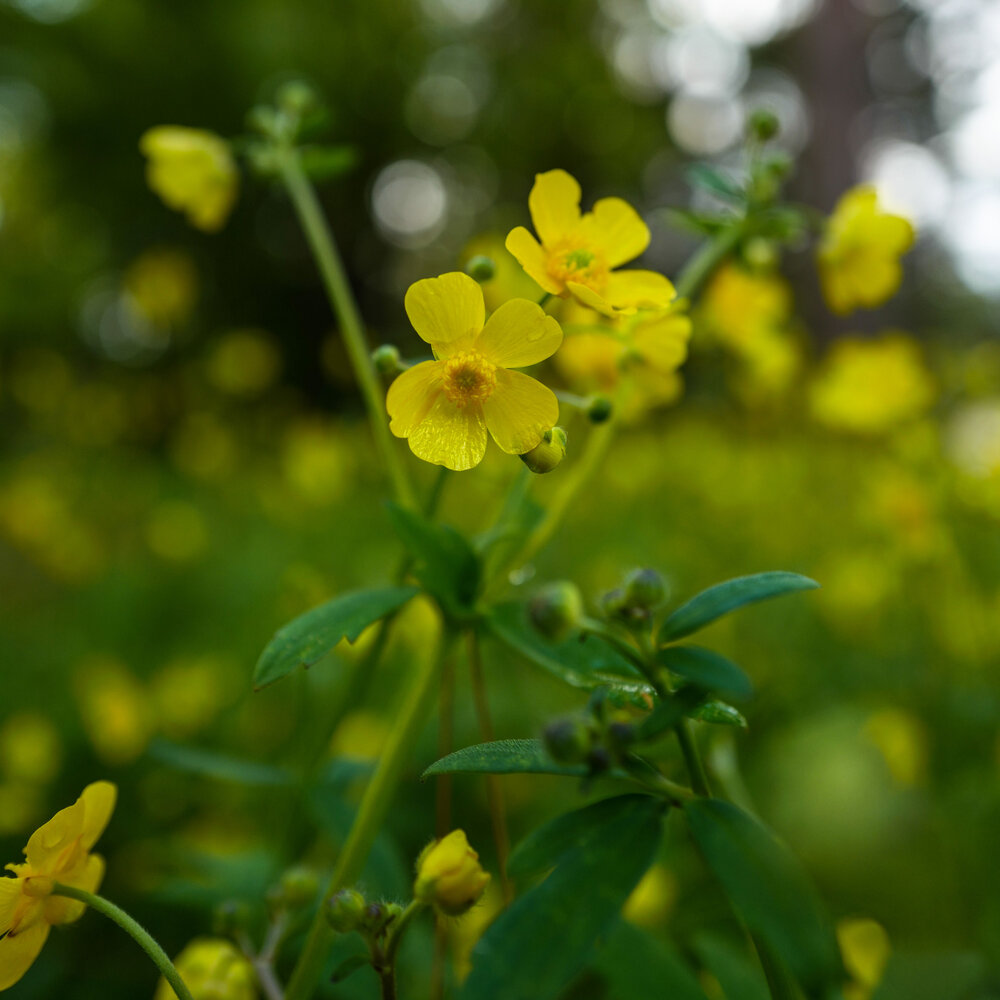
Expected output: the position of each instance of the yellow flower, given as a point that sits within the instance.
(865, 947)
(59, 851)
(739, 304)
(870, 386)
(449, 875)
(578, 253)
(212, 969)
(163, 284)
(193, 172)
(445, 407)
(859, 254)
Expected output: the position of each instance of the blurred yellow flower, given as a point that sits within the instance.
(445, 407)
(739, 304)
(859, 254)
(578, 253)
(189, 694)
(19, 806)
(902, 740)
(244, 362)
(115, 710)
(163, 285)
(176, 531)
(864, 945)
(59, 851)
(317, 461)
(212, 969)
(30, 749)
(361, 735)
(193, 171)
(870, 386)
(652, 899)
(449, 874)
(464, 934)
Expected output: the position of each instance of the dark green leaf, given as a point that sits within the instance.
(349, 965)
(219, 767)
(945, 976)
(668, 712)
(635, 965)
(707, 669)
(739, 976)
(546, 937)
(703, 176)
(588, 662)
(445, 562)
(768, 888)
(547, 845)
(321, 163)
(303, 641)
(718, 713)
(706, 607)
(509, 757)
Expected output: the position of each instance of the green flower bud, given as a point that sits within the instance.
(548, 454)
(386, 360)
(567, 740)
(644, 589)
(481, 268)
(763, 124)
(346, 910)
(612, 604)
(600, 409)
(620, 736)
(393, 911)
(299, 886)
(599, 760)
(760, 253)
(374, 918)
(556, 609)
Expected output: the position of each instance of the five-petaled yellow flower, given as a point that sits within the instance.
(193, 171)
(59, 851)
(445, 407)
(449, 875)
(859, 254)
(578, 253)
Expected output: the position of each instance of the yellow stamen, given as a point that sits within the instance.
(469, 378)
(582, 264)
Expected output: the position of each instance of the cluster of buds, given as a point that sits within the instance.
(633, 604)
(348, 911)
(556, 610)
(599, 737)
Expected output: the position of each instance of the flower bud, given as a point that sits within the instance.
(620, 735)
(567, 740)
(645, 589)
(386, 360)
(613, 603)
(545, 456)
(375, 918)
(763, 124)
(212, 969)
(299, 886)
(600, 409)
(481, 267)
(556, 609)
(449, 875)
(599, 760)
(345, 910)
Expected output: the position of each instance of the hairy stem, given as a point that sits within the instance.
(134, 929)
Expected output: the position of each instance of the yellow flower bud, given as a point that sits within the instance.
(193, 172)
(213, 969)
(545, 456)
(449, 875)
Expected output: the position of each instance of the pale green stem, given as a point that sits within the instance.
(371, 812)
(705, 260)
(134, 929)
(399, 929)
(338, 289)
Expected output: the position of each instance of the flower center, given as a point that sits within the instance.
(469, 378)
(570, 262)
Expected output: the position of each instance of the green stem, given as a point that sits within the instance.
(371, 812)
(398, 930)
(338, 289)
(705, 260)
(134, 929)
(692, 758)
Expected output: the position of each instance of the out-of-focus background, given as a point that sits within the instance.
(184, 465)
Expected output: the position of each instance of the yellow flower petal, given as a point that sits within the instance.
(518, 334)
(450, 436)
(446, 308)
(663, 343)
(630, 290)
(412, 395)
(588, 297)
(18, 951)
(616, 227)
(554, 204)
(89, 875)
(530, 255)
(519, 412)
(99, 803)
(48, 842)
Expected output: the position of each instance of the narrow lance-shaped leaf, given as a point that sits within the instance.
(769, 889)
(706, 607)
(707, 669)
(303, 641)
(636, 965)
(510, 757)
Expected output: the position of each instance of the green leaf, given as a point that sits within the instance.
(718, 713)
(219, 767)
(543, 848)
(739, 976)
(668, 712)
(636, 965)
(715, 181)
(446, 564)
(706, 607)
(695, 222)
(546, 937)
(946, 976)
(707, 669)
(322, 163)
(303, 641)
(587, 662)
(350, 965)
(509, 757)
(768, 888)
